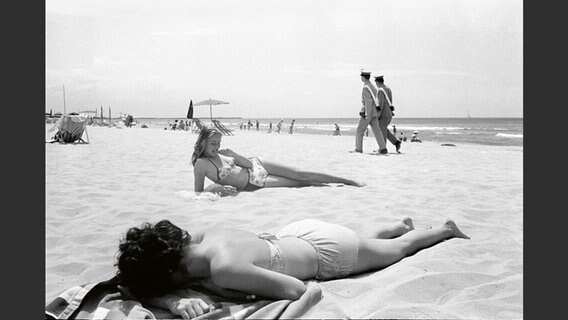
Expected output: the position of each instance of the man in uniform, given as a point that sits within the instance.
(384, 97)
(369, 116)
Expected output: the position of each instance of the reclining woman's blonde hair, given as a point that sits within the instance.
(199, 146)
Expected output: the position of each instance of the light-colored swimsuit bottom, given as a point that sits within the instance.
(336, 247)
(257, 175)
(276, 262)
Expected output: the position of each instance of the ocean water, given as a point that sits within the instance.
(486, 131)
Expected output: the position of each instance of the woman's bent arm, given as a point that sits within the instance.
(239, 160)
(249, 278)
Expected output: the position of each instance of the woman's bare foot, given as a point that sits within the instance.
(399, 228)
(388, 231)
(409, 225)
(354, 183)
(456, 232)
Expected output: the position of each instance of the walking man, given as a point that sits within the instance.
(384, 98)
(369, 116)
(291, 131)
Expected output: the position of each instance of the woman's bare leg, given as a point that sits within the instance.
(277, 181)
(388, 231)
(379, 253)
(312, 178)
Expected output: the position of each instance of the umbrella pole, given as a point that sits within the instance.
(211, 113)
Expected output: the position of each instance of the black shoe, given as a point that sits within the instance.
(398, 143)
(383, 151)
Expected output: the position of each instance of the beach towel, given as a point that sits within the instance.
(90, 301)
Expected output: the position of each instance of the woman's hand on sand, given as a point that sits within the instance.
(189, 308)
(125, 293)
(360, 184)
(111, 301)
(223, 190)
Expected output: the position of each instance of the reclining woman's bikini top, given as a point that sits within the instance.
(225, 170)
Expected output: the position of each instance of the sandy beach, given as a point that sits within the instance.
(126, 176)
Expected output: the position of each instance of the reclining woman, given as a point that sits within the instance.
(156, 260)
(232, 172)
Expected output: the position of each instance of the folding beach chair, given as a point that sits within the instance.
(70, 129)
(224, 130)
(198, 125)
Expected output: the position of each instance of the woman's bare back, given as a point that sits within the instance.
(300, 259)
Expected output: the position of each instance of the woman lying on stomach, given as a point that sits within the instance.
(156, 260)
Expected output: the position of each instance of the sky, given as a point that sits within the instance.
(284, 59)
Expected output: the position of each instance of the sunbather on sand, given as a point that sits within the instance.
(232, 172)
(155, 260)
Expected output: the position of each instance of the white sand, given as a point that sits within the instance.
(127, 176)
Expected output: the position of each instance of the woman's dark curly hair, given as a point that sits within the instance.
(149, 255)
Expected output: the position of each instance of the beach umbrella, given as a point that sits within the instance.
(190, 110)
(210, 103)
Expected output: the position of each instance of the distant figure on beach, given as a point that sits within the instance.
(174, 126)
(291, 130)
(384, 98)
(394, 129)
(249, 124)
(279, 126)
(232, 172)
(128, 120)
(155, 260)
(368, 116)
(270, 127)
(336, 132)
(414, 137)
(402, 136)
(182, 125)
